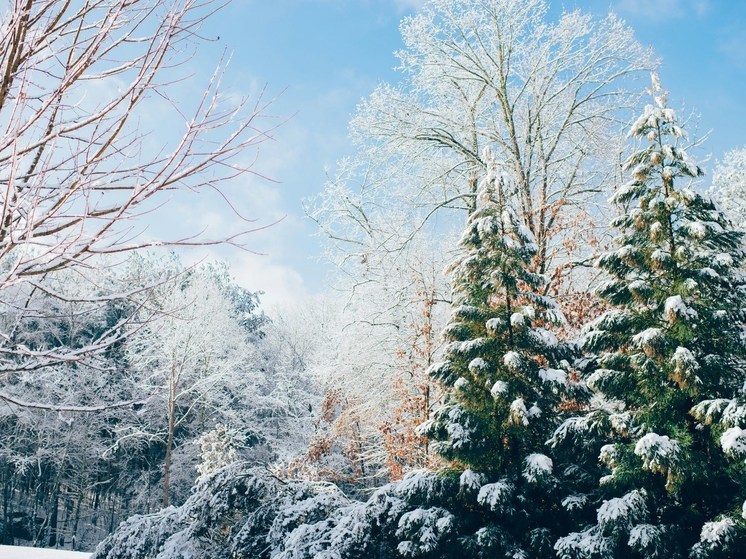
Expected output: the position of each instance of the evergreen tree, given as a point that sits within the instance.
(498, 353)
(670, 365)
(506, 378)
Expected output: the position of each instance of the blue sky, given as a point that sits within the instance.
(323, 56)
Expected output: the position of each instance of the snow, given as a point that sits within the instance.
(553, 375)
(534, 411)
(643, 536)
(416, 484)
(684, 360)
(499, 388)
(518, 412)
(457, 431)
(16, 552)
(545, 337)
(426, 527)
(726, 411)
(537, 466)
(733, 441)
(675, 308)
(583, 544)
(691, 285)
(723, 259)
(471, 480)
(460, 383)
(469, 346)
(625, 252)
(512, 360)
(660, 256)
(526, 233)
(639, 286)
(718, 532)
(609, 320)
(574, 502)
(478, 364)
(709, 273)
(517, 319)
(608, 455)
(439, 368)
(599, 375)
(495, 495)
(647, 337)
(494, 324)
(621, 422)
(623, 511)
(658, 452)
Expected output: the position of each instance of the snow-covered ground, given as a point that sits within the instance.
(15, 552)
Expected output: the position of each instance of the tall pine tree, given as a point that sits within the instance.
(506, 377)
(670, 365)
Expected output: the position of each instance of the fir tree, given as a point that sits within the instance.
(506, 377)
(670, 361)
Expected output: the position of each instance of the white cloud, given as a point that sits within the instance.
(280, 283)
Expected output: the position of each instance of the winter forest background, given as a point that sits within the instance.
(532, 343)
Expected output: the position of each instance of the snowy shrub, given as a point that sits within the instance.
(649, 339)
(139, 537)
(217, 448)
(478, 364)
(305, 504)
(420, 486)
(675, 309)
(578, 428)
(684, 361)
(513, 361)
(608, 455)
(575, 502)
(728, 412)
(553, 375)
(499, 388)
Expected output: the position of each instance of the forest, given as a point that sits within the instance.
(533, 344)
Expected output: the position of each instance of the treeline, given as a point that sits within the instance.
(625, 442)
(88, 442)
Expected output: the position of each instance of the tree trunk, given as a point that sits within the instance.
(170, 439)
(53, 518)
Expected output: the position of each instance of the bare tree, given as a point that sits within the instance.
(729, 186)
(84, 88)
(186, 358)
(546, 96)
